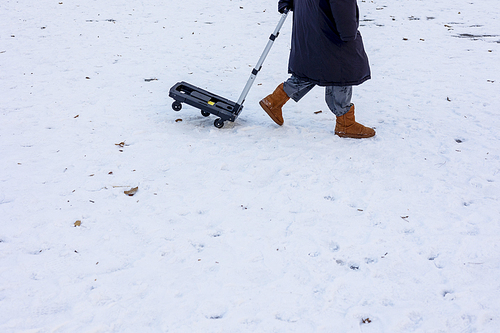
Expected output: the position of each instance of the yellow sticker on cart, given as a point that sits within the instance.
(211, 103)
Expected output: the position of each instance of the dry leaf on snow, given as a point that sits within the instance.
(132, 191)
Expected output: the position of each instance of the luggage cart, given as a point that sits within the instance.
(210, 103)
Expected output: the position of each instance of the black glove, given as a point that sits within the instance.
(285, 5)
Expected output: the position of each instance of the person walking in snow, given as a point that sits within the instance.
(327, 50)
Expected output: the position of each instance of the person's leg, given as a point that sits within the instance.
(294, 88)
(297, 88)
(338, 100)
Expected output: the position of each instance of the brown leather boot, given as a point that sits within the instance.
(273, 103)
(347, 127)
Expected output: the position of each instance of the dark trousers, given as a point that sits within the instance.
(338, 98)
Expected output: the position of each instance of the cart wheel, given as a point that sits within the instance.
(176, 106)
(219, 123)
(205, 113)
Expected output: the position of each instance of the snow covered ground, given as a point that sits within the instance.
(253, 227)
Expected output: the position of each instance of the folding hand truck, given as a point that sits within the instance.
(210, 103)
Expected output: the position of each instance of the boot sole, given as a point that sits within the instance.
(353, 136)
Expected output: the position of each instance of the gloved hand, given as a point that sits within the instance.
(285, 5)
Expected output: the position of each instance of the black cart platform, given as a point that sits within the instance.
(207, 102)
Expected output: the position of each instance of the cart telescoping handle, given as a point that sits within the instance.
(258, 67)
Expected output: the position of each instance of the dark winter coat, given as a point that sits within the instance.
(327, 48)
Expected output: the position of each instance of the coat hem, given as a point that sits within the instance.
(323, 83)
